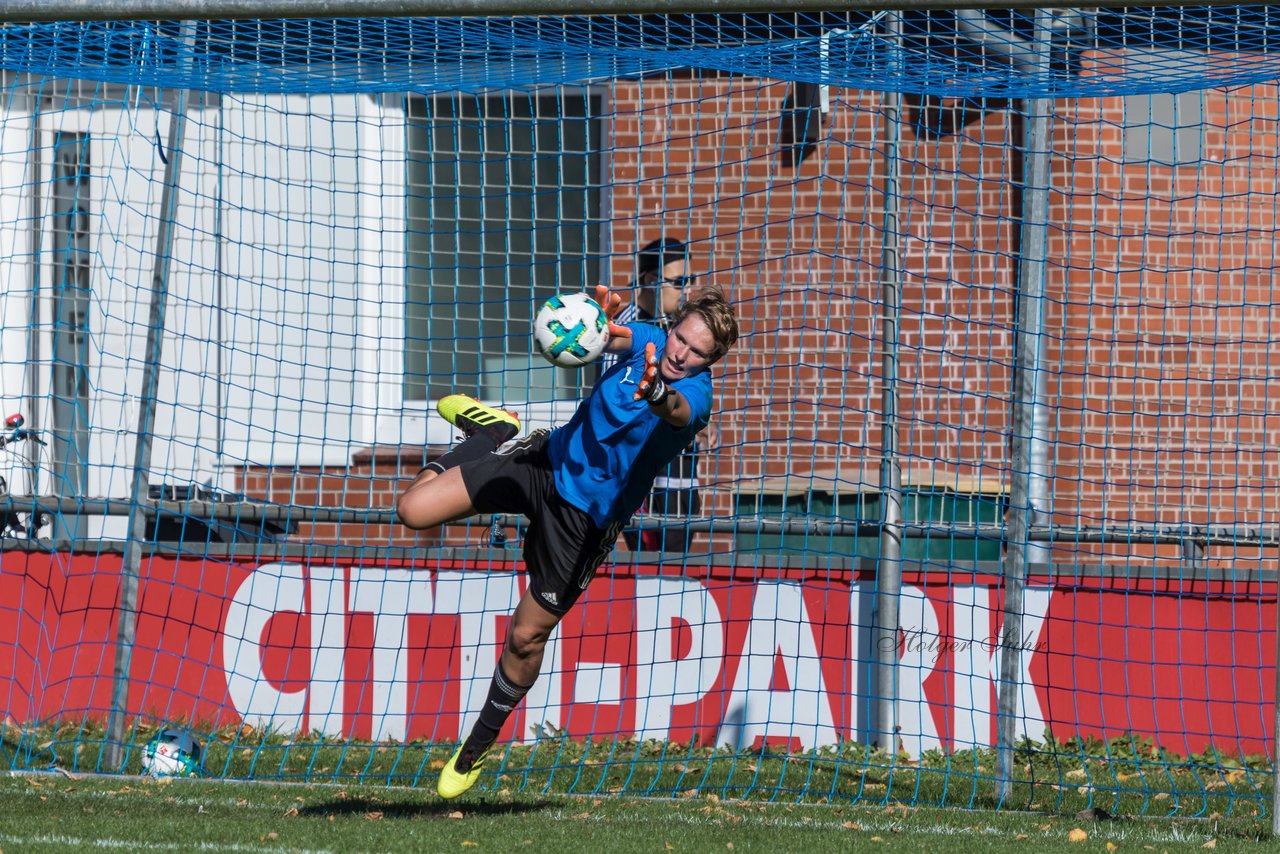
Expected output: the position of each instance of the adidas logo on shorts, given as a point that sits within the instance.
(550, 597)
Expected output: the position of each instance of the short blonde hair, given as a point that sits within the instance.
(711, 305)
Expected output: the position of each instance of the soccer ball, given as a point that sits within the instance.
(571, 330)
(172, 753)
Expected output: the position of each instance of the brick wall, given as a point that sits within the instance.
(799, 250)
(1159, 320)
(1158, 325)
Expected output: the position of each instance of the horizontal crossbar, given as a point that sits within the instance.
(172, 10)
(1201, 535)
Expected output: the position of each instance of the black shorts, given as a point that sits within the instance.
(563, 547)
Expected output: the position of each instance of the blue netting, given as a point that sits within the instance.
(341, 262)
(988, 54)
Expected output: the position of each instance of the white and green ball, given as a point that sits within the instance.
(172, 753)
(571, 330)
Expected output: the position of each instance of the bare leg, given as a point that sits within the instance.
(433, 499)
(527, 634)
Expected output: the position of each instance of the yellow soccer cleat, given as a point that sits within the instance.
(453, 782)
(471, 416)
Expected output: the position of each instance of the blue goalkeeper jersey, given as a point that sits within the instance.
(606, 457)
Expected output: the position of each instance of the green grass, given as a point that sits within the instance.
(1122, 777)
(54, 812)
(622, 795)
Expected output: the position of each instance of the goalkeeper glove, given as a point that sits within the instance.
(652, 388)
(611, 303)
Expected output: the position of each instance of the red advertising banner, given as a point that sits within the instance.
(388, 651)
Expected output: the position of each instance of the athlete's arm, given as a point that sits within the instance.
(674, 410)
(619, 336)
(664, 401)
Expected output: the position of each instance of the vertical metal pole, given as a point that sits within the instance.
(34, 154)
(1029, 486)
(889, 566)
(219, 299)
(126, 614)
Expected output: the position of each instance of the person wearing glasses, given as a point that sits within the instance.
(659, 288)
(662, 274)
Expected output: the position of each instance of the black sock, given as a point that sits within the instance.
(504, 696)
(473, 447)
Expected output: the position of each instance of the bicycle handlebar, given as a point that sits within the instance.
(14, 423)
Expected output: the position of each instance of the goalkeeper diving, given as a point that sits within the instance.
(578, 484)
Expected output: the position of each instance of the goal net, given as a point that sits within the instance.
(992, 465)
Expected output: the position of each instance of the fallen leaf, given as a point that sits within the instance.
(273, 835)
(456, 814)
(729, 845)
(876, 839)
(1111, 846)
(437, 764)
(852, 825)
(1077, 835)
(1077, 774)
(1212, 843)
(373, 816)
(245, 730)
(1021, 837)
(668, 846)
(290, 812)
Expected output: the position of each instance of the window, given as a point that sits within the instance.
(1166, 129)
(921, 506)
(503, 210)
(70, 219)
